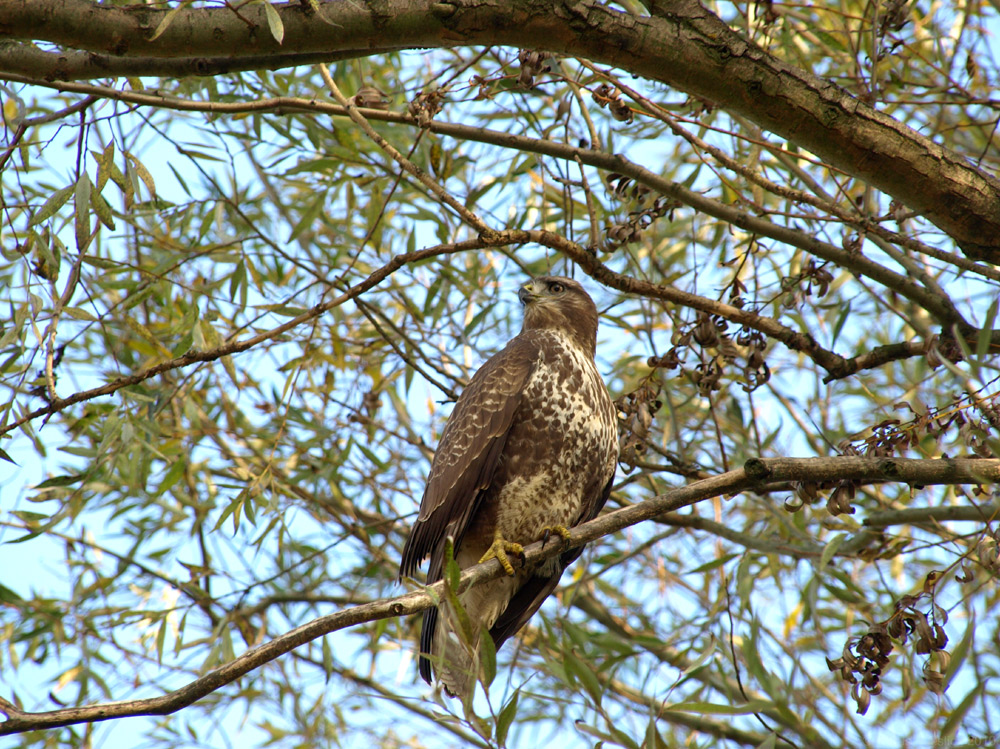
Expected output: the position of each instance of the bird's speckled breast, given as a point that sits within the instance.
(560, 453)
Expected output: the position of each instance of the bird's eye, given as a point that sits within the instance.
(556, 288)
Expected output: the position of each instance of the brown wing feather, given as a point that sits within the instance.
(463, 466)
(533, 593)
(468, 454)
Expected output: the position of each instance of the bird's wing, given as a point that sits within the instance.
(469, 452)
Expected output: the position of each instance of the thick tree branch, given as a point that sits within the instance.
(22, 59)
(682, 44)
(756, 474)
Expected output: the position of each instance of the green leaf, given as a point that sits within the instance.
(81, 200)
(755, 666)
(274, 22)
(476, 319)
(698, 662)
(57, 481)
(452, 577)
(714, 564)
(986, 334)
(838, 326)
(30, 517)
(143, 174)
(102, 209)
(56, 201)
(9, 596)
(959, 714)
(78, 314)
(506, 718)
(581, 671)
(615, 737)
(960, 653)
(830, 549)
(487, 657)
(308, 216)
(233, 508)
(238, 282)
(172, 476)
(161, 638)
(104, 161)
(327, 659)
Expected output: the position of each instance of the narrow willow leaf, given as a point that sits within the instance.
(56, 201)
(506, 717)
(582, 673)
(143, 174)
(167, 19)
(709, 708)
(960, 653)
(161, 638)
(715, 563)
(274, 22)
(78, 314)
(102, 209)
(958, 715)
(986, 334)
(104, 161)
(58, 481)
(830, 549)
(81, 200)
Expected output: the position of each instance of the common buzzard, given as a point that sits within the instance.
(529, 450)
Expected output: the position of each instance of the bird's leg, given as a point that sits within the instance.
(560, 530)
(499, 549)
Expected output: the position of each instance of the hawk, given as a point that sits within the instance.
(529, 450)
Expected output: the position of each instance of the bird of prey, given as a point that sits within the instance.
(529, 450)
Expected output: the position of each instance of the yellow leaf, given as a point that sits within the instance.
(10, 110)
(793, 619)
(67, 678)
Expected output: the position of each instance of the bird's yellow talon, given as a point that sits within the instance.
(559, 530)
(499, 550)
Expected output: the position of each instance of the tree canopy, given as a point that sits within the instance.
(254, 251)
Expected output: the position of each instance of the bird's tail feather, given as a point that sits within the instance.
(457, 651)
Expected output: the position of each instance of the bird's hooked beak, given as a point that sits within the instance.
(527, 292)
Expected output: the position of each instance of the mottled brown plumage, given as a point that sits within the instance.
(529, 448)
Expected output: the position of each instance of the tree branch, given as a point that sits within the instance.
(836, 366)
(941, 308)
(756, 473)
(235, 347)
(681, 44)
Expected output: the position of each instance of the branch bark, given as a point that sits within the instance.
(756, 474)
(682, 44)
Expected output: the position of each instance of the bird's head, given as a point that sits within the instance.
(560, 303)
